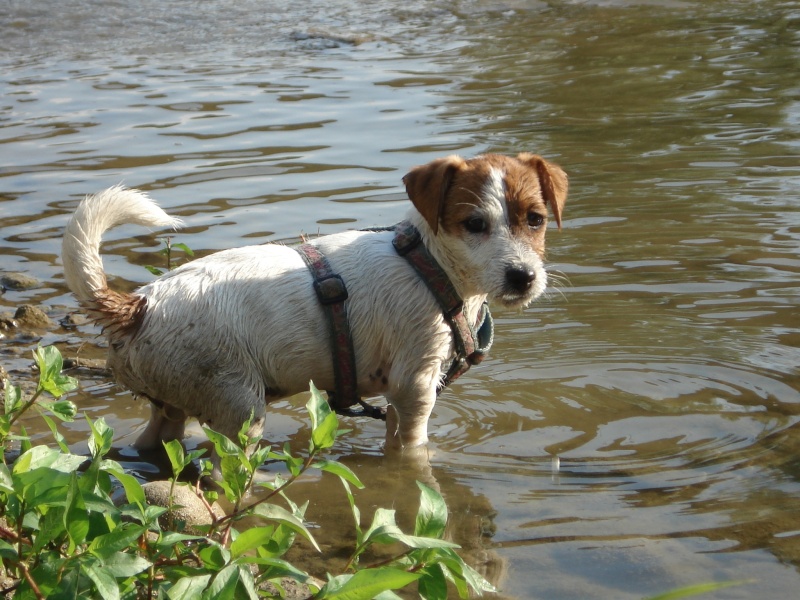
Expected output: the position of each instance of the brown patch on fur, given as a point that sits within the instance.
(118, 314)
(553, 181)
(446, 190)
(428, 185)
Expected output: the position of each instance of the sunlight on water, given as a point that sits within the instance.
(634, 431)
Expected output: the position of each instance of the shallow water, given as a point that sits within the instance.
(632, 432)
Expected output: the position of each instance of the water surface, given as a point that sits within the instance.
(632, 432)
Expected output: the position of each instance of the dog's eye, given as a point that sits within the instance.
(476, 225)
(535, 220)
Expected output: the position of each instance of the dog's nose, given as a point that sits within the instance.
(520, 278)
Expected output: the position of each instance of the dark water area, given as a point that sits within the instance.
(634, 431)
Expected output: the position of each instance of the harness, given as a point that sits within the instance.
(471, 341)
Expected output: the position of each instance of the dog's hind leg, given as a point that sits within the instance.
(230, 420)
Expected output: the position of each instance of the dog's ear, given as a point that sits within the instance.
(427, 187)
(553, 180)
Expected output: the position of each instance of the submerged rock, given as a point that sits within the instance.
(18, 282)
(189, 507)
(28, 315)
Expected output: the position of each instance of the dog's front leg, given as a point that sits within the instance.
(407, 417)
(166, 423)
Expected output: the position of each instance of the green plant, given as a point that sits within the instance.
(62, 536)
(166, 251)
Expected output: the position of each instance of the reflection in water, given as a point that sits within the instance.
(635, 431)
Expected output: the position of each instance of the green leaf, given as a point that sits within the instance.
(214, 556)
(235, 477)
(104, 582)
(188, 588)
(383, 520)
(223, 586)
(340, 470)
(133, 489)
(176, 455)
(24, 440)
(251, 539)
(13, 397)
(107, 545)
(222, 444)
(121, 565)
(433, 584)
(247, 583)
(172, 538)
(323, 421)
(51, 527)
(6, 482)
(354, 509)
(432, 514)
(414, 541)
(153, 270)
(44, 457)
(60, 440)
(366, 584)
(50, 363)
(186, 250)
(696, 590)
(259, 457)
(8, 552)
(65, 410)
(461, 574)
(277, 567)
(102, 437)
(76, 517)
(273, 512)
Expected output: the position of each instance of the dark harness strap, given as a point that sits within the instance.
(471, 342)
(332, 294)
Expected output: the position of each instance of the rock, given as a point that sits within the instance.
(73, 320)
(192, 510)
(18, 281)
(324, 39)
(28, 315)
(89, 366)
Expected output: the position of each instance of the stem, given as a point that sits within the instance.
(151, 572)
(8, 534)
(169, 253)
(35, 588)
(388, 561)
(199, 493)
(170, 513)
(236, 513)
(25, 407)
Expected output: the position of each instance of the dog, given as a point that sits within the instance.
(220, 337)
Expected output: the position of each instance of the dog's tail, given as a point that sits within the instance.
(80, 250)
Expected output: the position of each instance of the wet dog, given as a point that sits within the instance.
(220, 337)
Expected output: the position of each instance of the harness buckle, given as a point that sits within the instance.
(406, 239)
(330, 290)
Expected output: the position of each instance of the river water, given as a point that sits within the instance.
(634, 431)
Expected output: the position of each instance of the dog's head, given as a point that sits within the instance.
(488, 217)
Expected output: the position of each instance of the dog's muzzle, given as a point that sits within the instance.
(520, 279)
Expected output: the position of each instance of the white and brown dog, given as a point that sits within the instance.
(220, 337)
